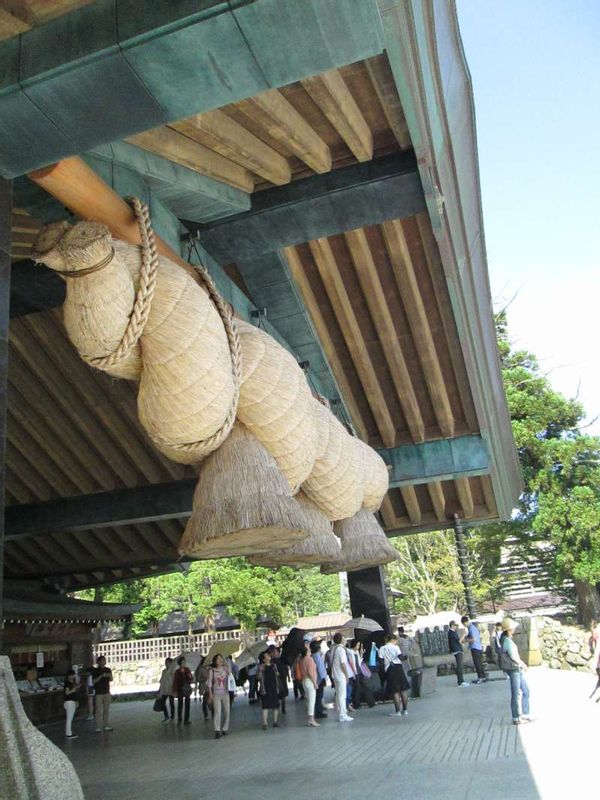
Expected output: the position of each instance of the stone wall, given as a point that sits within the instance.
(141, 673)
(564, 646)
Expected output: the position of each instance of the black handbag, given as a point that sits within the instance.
(159, 704)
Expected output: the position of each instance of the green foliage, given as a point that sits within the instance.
(249, 593)
(558, 518)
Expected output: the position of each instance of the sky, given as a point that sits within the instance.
(535, 67)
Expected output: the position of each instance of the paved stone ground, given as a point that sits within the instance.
(457, 744)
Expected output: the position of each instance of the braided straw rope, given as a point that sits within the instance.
(145, 292)
(139, 318)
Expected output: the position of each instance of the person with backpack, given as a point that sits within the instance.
(511, 663)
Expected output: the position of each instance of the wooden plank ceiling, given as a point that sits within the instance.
(379, 302)
(377, 297)
(73, 430)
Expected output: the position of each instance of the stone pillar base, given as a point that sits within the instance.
(31, 767)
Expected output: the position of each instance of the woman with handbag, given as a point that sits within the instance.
(511, 663)
(395, 678)
(268, 689)
(308, 670)
(165, 690)
(182, 688)
(218, 695)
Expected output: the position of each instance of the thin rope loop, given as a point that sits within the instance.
(145, 293)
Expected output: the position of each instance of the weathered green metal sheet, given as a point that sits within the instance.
(117, 67)
(446, 459)
(293, 39)
(322, 205)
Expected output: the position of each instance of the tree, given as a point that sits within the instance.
(249, 593)
(558, 517)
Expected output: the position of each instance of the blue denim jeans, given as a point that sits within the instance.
(518, 691)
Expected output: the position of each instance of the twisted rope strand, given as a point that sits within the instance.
(145, 293)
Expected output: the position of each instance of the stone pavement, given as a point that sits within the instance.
(457, 744)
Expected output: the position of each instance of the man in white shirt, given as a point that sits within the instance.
(340, 672)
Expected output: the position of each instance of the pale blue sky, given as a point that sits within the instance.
(535, 66)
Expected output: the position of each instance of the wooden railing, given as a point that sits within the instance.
(134, 650)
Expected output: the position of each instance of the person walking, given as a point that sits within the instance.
(595, 648)
(165, 689)
(397, 684)
(71, 693)
(340, 674)
(283, 671)
(101, 678)
(218, 695)
(308, 670)
(252, 672)
(268, 689)
(511, 663)
(317, 657)
(90, 693)
(474, 640)
(455, 645)
(201, 677)
(182, 688)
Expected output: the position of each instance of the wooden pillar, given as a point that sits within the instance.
(368, 596)
(5, 236)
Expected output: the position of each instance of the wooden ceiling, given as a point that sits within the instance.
(324, 122)
(73, 430)
(377, 297)
(18, 16)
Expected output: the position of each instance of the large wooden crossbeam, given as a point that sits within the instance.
(426, 462)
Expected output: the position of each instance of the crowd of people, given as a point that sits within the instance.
(359, 674)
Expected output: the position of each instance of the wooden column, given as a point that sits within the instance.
(5, 234)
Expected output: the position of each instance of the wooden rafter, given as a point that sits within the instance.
(330, 92)
(411, 501)
(465, 497)
(14, 19)
(385, 87)
(284, 124)
(488, 493)
(293, 260)
(174, 146)
(217, 131)
(368, 277)
(438, 501)
(342, 306)
(416, 313)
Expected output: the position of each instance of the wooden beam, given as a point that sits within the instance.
(383, 82)
(284, 124)
(465, 497)
(320, 205)
(336, 291)
(368, 277)
(330, 92)
(436, 493)
(103, 509)
(411, 502)
(488, 493)
(414, 307)
(310, 300)
(174, 146)
(221, 134)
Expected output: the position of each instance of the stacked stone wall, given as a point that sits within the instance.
(564, 646)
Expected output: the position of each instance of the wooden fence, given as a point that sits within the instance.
(135, 650)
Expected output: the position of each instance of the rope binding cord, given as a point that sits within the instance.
(139, 317)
